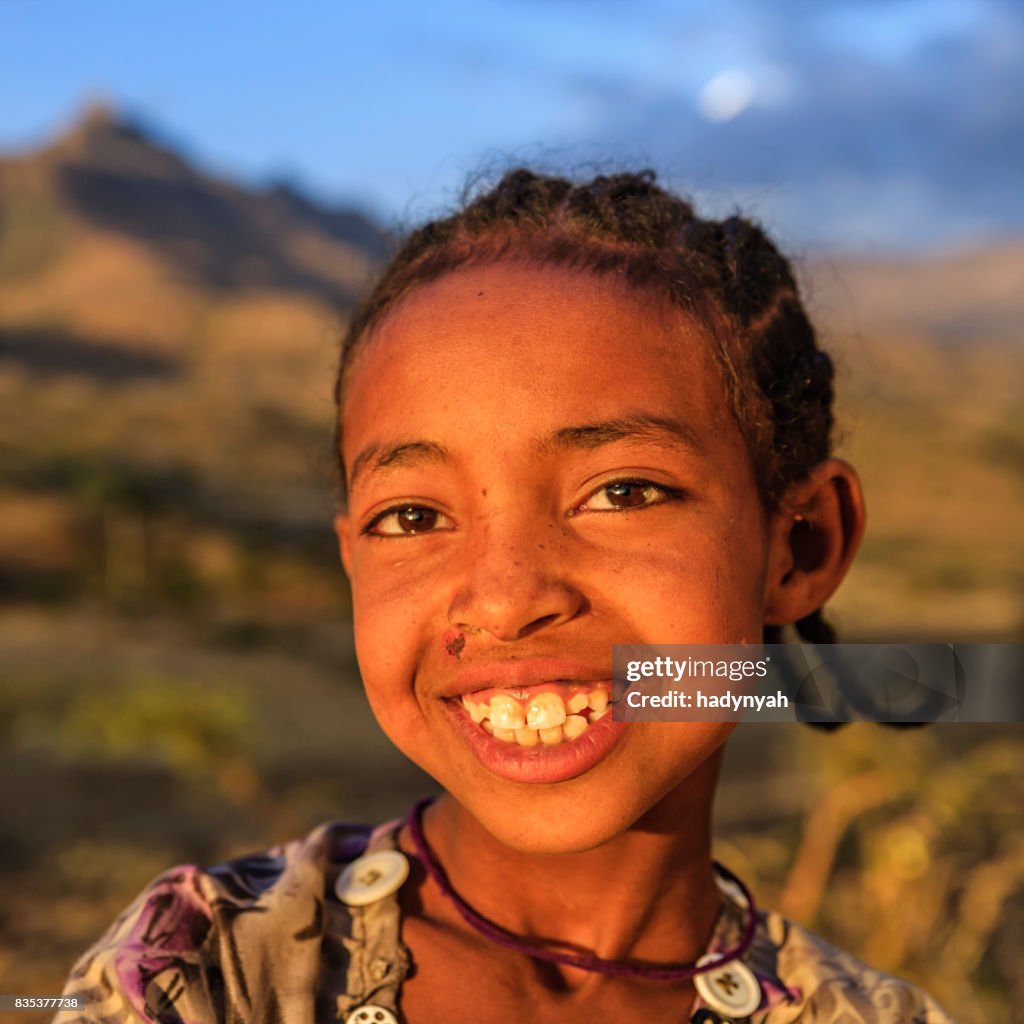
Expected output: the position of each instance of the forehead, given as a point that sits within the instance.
(505, 347)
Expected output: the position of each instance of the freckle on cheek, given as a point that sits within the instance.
(453, 643)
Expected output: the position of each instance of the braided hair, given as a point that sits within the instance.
(727, 275)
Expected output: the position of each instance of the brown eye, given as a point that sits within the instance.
(623, 495)
(406, 521)
(627, 495)
(416, 520)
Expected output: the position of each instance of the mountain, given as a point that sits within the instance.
(115, 176)
(168, 341)
(969, 294)
(107, 226)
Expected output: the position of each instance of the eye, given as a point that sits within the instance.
(406, 521)
(623, 495)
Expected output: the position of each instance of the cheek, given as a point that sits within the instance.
(380, 618)
(700, 584)
(390, 592)
(671, 751)
(396, 622)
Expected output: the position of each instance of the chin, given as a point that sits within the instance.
(582, 813)
(553, 834)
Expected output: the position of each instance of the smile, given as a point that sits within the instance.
(546, 716)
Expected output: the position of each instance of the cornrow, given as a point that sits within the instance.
(725, 274)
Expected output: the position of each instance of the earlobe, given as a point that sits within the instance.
(814, 536)
(341, 531)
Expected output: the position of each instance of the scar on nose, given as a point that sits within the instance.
(454, 643)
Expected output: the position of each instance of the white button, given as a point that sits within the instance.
(731, 989)
(371, 1014)
(371, 878)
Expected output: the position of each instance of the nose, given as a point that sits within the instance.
(515, 584)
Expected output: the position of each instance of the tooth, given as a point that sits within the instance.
(546, 711)
(596, 716)
(598, 701)
(551, 736)
(505, 713)
(487, 726)
(478, 712)
(507, 735)
(575, 725)
(527, 737)
(576, 703)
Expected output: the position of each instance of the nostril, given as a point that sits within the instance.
(508, 613)
(540, 623)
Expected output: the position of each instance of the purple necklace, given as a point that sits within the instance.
(585, 962)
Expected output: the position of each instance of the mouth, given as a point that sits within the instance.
(535, 721)
(546, 715)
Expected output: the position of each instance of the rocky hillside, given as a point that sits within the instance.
(109, 181)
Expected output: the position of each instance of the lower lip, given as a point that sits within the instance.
(557, 763)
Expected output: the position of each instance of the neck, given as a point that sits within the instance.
(646, 895)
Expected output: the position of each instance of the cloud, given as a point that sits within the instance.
(926, 148)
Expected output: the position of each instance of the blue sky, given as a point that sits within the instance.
(862, 124)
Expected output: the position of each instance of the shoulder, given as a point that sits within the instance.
(193, 940)
(826, 985)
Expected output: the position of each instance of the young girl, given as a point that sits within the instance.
(569, 416)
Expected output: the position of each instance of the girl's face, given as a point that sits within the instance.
(541, 464)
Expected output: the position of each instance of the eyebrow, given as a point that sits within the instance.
(409, 453)
(659, 430)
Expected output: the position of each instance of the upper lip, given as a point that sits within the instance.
(523, 673)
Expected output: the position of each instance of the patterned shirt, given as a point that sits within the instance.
(265, 939)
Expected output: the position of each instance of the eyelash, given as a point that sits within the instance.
(666, 494)
(368, 529)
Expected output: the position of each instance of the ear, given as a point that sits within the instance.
(341, 531)
(813, 537)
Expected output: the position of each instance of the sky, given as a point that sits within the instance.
(863, 125)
